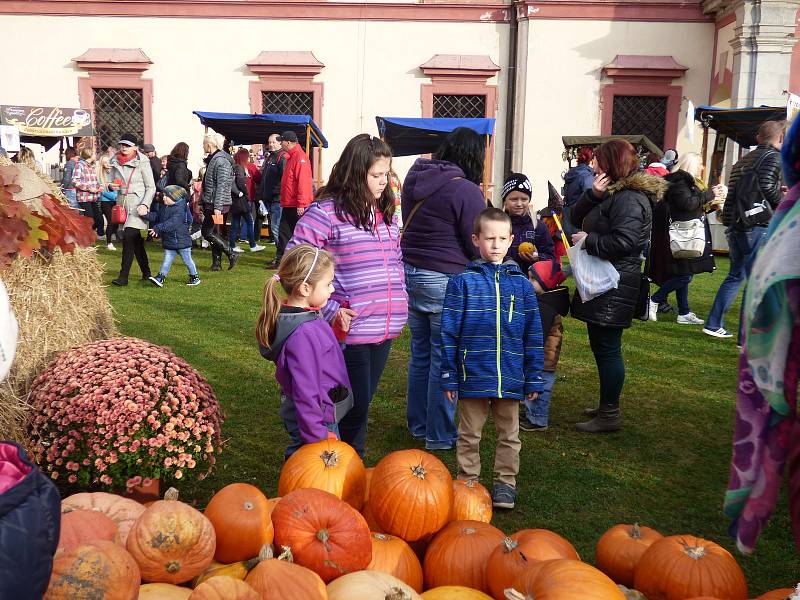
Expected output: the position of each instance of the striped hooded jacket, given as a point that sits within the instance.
(492, 344)
(368, 274)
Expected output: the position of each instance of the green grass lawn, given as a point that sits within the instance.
(667, 468)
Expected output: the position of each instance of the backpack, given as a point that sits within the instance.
(751, 208)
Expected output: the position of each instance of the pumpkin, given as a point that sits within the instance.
(564, 579)
(471, 501)
(620, 548)
(366, 510)
(682, 566)
(272, 503)
(279, 578)
(392, 555)
(411, 494)
(632, 594)
(224, 588)
(239, 569)
(324, 533)
(163, 591)
(123, 511)
(171, 541)
(329, 465)
(80, 526)
(458, 554)
(370, 585)
(781, 594)
(543, 544)
(240, 515)
(454, 592)
(96, 569)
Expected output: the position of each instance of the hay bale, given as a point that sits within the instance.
(59, 302)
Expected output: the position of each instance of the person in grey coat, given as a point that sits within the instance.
(132, 178)
(216, 198)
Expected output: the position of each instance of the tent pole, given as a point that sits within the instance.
(705, 148)
(485, 183)
(308, 139)
(319, 166)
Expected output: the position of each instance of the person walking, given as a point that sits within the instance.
(271, 175)
(615, 216)
(526, 225)
(217, 185)
(296, 191)
(132, 178)
(755, 186)
(241, 209)
(353, 219)
(171, 224)
(67, 186)
(108, 198)
(87, 187)
(440, 201)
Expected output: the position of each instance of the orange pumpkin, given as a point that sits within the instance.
(163, 591)
(392, 555)
(454, 592)
(324, 533)
(564, 579)
(280, 578)
(123, 511)
(682, 566)
(411, 494)
(471, 502)
(240, 515)
(96, 569)
(619, 549)
(224, 588)
(329, 465)
(543, 544)
(370, 585)
(80, 526)
(366, 510)
(272, 503)
(780, 594)
(171, 541)
(458, 554)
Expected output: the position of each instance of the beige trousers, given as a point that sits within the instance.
(472, 415)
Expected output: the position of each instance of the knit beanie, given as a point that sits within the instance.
(175, 192)
(517, 182)
(790, 152)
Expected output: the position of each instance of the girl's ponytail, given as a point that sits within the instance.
(270, 309)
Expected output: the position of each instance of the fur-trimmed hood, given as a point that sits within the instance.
(650, 185)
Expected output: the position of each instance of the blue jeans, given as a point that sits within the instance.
(430, 415)
(186, 257)
(274, 220)
(742, 247)
(72, 197)
(678, 284)
(236, 227)
(289, 416)
(538, 411)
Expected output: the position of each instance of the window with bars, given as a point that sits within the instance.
(459, 106)
(637, 115)
(288, 103)
(118, 111)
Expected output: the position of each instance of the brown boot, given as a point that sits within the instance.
(591, 412)
(607, 420)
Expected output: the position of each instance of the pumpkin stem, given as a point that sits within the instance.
(509, 544)
(512, 594)
(323, 536)
(695, 552)
(470, 483)
(173, 566)
(171, 494)
(468, 531)
(286, 554)
(635, 532)
(380, 536)
(396, 593)
(265, 553)
(330, 458)
(419, 471)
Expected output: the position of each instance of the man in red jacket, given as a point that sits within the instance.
(296, 190)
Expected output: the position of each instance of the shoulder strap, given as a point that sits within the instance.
(415, 209)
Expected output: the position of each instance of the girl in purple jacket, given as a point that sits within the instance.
(309, 364)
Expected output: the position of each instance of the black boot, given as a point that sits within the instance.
(607, 420)
(216, 259)
(591, 412)
(233, 258)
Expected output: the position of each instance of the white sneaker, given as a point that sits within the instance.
(110, 247)
(237, 249)
(719, 333)
(653, 313)
(196, 235)
(204, 243)
(256, 248)
(689, 319)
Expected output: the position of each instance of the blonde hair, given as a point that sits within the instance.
(87, 153)
(215, 139)
(103, 168)
(303, 263)
(691, 162)
(26, 157)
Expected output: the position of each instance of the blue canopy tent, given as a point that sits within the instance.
(409, 136)
(738, 124)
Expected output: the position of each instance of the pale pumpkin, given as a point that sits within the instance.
(163, 591)
(619, 549)
(370, 585)
(80, 526)
(96, 569)
(239, 569)
(564, 579)
(329, 465)
(224, 588)
(241, 518)
(779, 594)
(471, 501)
(123, 511)
(171, 541)
(279, 578)
(392, 555)
(454, 592)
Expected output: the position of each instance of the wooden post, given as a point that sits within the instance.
(705, 149)
(319, 167)
(308, 139)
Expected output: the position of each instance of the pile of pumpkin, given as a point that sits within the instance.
(343, 532)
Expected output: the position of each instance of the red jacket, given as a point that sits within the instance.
(296, 188)
(253, 179)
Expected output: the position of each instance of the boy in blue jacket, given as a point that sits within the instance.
(492, 352)
(170, 222)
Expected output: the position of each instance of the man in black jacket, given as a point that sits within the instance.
(271, 174)
(743, 235)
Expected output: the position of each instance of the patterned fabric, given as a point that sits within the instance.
(84, 178)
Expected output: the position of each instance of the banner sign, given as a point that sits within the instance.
(9, 138)
(792, 107)
(47, 121)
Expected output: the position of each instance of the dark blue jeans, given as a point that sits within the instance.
(236, 223)
(606, 345)
(678, 284)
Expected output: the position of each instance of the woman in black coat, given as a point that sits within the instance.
(684, 200)
(615, 216)
(178, 172)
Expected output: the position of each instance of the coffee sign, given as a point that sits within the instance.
(47, 121)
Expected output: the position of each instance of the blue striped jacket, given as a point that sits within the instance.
(492, 345)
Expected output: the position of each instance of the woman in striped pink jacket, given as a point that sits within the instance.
(354, 219)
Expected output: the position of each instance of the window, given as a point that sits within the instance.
(459, 106)
(636, 115)
(288, 103)
(118, 111)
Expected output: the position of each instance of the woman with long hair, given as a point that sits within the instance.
(108, 197)
(615, 216)
(353, 218)
(178, 172)
(440, 201)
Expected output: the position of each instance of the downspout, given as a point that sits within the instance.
(511, 102)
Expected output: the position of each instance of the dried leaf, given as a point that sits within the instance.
(36, 236)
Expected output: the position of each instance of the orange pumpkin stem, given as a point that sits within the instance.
(509, 545)
(635, 532)
(419, 471)
(329, 458)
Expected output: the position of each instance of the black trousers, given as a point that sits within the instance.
(606, 345)
(92, 210)
(289, 219)
(217, 243)
(133, 246)
(111, 228)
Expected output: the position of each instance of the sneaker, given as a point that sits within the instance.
(196, 235)
(110, 247)
(652, 314)
(236, 249)
(666, 307)
(503, 496)
(158, 280)
(718, 333)
(193, 280)
(689, 319)
(204, 243)
(526, 425)
(257, 248)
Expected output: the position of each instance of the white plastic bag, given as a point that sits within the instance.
(593, 275)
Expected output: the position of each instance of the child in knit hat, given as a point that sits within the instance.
(171, 223)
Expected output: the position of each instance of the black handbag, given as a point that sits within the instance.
(551, 303)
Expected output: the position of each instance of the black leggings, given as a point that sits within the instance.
(92, 210)
(606, 344)
(111, 228)
(133, 246)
